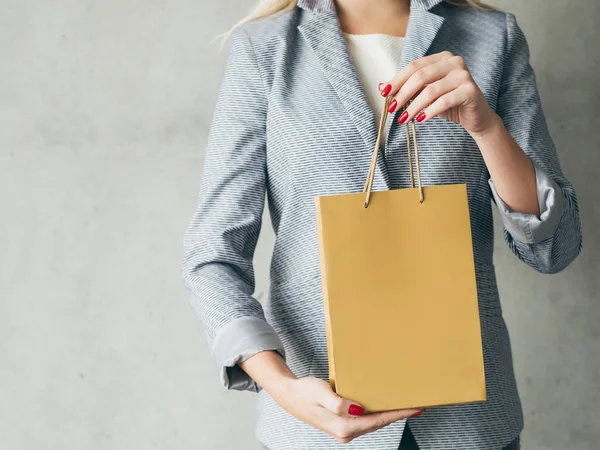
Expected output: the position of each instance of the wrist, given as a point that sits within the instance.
(281, 383)
(494, 126)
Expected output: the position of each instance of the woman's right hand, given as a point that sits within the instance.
(313, 401)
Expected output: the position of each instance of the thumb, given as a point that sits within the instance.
(338, 405)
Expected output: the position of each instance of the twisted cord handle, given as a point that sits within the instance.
(371, 175)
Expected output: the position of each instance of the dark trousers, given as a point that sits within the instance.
(408, 442)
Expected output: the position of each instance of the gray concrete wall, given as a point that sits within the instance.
(104, 113)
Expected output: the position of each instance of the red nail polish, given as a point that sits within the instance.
(417, 414)
(356, 410)
(386, 90)
(403, 117)
(392, 106)
(421, 117)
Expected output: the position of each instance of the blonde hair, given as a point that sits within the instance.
(266, 8)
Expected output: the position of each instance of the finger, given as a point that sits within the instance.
(421, 78)
(430, 94)
(400, 78)
(446, 102)
(338, 405)
(374, 421)
(352, 428)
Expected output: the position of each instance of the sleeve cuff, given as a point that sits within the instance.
(236, 342)
(530, 228)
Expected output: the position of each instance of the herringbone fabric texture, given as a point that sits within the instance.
(292, 122)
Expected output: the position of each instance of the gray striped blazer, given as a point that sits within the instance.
(291, 122)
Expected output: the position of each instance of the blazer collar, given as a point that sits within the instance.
(323, 33)
(327, 5)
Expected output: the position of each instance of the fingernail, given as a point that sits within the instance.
(379, 86)
(356, 410)
(403, 117)
(392, 106)
(417, 414)
(386, 90)
(421, 117)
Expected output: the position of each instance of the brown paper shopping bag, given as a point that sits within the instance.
(400, 295)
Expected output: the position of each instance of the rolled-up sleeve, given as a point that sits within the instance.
(236, 342)
(530, 228)
(550, 242)
(221, 238)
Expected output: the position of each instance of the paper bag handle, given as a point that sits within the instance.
(371, 174)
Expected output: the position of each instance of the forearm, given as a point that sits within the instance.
(269, 370)
(510, 169)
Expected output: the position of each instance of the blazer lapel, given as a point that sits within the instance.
(323, 33)
(423, 26)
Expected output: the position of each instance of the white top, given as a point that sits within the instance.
(376, 57)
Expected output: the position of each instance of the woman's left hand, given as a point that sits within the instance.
(440, 85)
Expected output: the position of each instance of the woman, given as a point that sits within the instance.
(296, 117)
